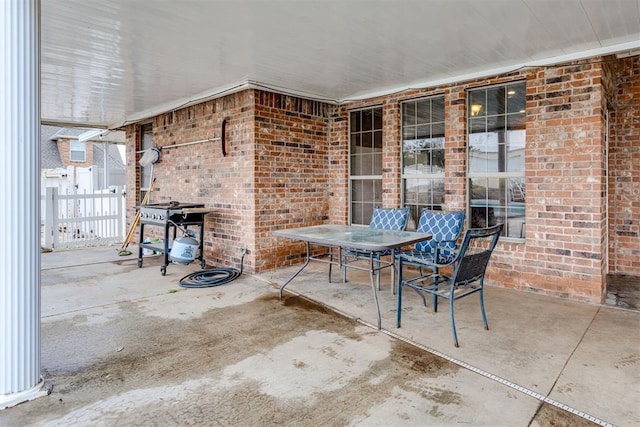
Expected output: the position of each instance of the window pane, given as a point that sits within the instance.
(377, 118)
(408, 113)
(409, 133)
(423, 111)
(516, 98)
(367, 212)
(437, 110)
(516, 122)
(423, 131)
(437, 155)
(421, 194)
(77, 146)
(377, 141)
(356, 213)
(481, 215)
(356, 190)
(478, 125)
(517, 190)
(355, 121)
(437, 130)
(76, 156)
(494, 208)
(367, 120)
(367, 164)
(377, 164)
(496, 101)
(496, 123)
(478, 152)
(146, 142)
(367, 142)
(409, 159)
(356, 165)
(516, 151)
(515, 218)
(356, 144)
(424, 191)
(477, 103)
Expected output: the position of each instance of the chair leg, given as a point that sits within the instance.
(378, 271)
(484, 315)
(330, 262)
(393, 275)
(421, 294)
(453, 321)
(344, 268)
(399, 313)
(435, 297)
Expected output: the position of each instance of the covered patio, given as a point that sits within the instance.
(287, 79)
(125, 345)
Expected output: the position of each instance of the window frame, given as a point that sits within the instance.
(431, 176)
(143, 146)
(74, 146)
(509, 182)
(366, 206)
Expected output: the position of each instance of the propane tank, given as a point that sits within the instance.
(184, 250)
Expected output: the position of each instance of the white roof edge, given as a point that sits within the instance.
(629, 48)
(213, 94)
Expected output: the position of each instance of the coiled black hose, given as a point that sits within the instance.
(212, 277)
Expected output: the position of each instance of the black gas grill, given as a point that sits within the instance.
(170, 216)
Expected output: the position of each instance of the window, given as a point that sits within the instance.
(146, 142)
(422, 156)
(365, 158)
(495, 157)
(77, 151)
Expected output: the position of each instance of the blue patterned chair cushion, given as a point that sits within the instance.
(445, 228)
(445, 256)
(389, 218)
(386, 219)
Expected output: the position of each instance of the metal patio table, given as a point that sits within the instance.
(365, 239)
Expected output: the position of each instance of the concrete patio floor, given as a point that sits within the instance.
(123, 345)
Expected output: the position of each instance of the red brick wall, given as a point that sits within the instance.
(288, 166)
(624, 169)
(291, 172)
(563, 253)
(338, 166)
(199, 173)
(275, 173)
(132, 174)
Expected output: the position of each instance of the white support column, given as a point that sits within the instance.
(20, 378)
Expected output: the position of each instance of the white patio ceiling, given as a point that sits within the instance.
(108, 62)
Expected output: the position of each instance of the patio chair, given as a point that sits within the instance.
(381, 219)
(445, 229)
(468, 266)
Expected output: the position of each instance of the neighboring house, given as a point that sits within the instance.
(81, 165)
(74, 166)
(552, 152)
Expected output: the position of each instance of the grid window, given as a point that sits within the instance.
(422, 156)
(77, 151)
(365, 160)
(146, 142)
(495, 157)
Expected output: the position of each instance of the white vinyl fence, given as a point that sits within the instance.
(82, 220)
